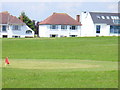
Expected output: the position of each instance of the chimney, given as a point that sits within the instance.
(21, 18)
(54, 12)
(78, 18)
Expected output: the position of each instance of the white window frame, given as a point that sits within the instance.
(16, 27)
(71, 27)
(55, 28)
(63, 27)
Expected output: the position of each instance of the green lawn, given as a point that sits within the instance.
(100, 48)
(88, 62)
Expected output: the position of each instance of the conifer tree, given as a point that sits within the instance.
(27, 20)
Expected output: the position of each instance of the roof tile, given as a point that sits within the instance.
(105, 15)
(6, 18)
(60, 19)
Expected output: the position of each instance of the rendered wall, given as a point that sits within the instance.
(45, 31)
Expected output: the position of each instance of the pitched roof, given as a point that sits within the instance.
(6, 18)
(107, 18)
(60, 19)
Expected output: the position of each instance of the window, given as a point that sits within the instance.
(73, 35)
(4, 28)
(53, 35)
(114, 17)
(107, 17)
(73, 27)
(16, 36)
(5, 36)
(16, 27)
(63, 36)
(117, 21)
(98, 17)
(28, 32)
(63, 26)
(115, 29)
(97, 28)
(117, 17)
(54, 27)
(103, 17)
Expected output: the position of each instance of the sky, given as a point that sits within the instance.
(39, 10)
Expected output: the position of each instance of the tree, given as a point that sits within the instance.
(28, 21)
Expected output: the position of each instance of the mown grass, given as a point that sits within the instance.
(19, 78)
(61, 62)
(100, 48)
(59, 73)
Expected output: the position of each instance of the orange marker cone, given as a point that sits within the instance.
(6, 61)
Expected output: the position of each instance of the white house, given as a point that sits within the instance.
(12, 27)
(100, 24)
(59, 25)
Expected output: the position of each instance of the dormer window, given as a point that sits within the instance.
(107, 17)
(98, 17)
(112, 17)
(116, 17)
(102, 17)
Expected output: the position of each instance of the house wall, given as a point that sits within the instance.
(88, 27)
(21, 33)
(45, 31)
(104, 30)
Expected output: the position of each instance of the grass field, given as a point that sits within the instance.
(61, 62)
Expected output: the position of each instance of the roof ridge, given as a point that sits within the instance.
(4, 12)
(59, 13)
(7, 18)
(104, 12)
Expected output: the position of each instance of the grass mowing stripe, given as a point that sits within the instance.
(101, 48)
(66, 64)
(19, 78)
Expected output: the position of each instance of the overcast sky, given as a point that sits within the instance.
(41, 10)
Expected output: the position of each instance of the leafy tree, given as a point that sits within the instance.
(27, 20)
